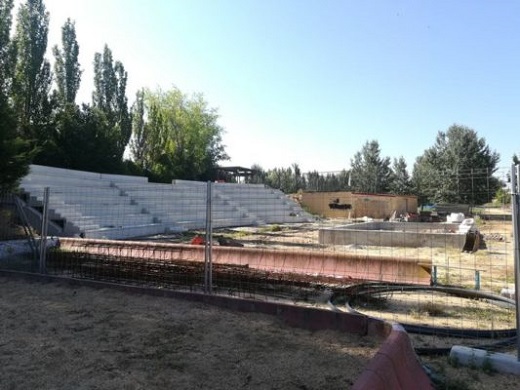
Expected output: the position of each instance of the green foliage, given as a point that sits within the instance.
(502, 197)
(370, 172)
(7, 56)
(288, 180)
(180, 137)
(109, 96)
(400, 183)
(16, 153)
(259, 175)
(457, 169)
(138, 143)
(32, 74)
(66, 67)
(82, 139)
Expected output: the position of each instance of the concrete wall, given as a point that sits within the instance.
(409, 227)
(410, 235)
(334, 204)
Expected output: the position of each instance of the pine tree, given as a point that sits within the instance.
(458, 168)
(400, 183)
(370, 173)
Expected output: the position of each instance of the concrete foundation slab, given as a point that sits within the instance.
(403, 234)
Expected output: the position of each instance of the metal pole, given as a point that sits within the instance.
(45, 224)
(515, 174)
(208, 245)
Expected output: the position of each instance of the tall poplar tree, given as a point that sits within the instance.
(32, 73)
(138, 144)
(66, 67)
(109, 96)
(7, 55)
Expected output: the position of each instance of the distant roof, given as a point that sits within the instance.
(237, 170)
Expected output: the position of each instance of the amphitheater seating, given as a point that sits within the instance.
(119, 207)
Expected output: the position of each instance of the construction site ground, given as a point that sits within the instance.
(122, 356)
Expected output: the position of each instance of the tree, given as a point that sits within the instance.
(258, 176)
(343, 180)
(7, 55)
(85, 140)
(315, 181)
(138, 144)
(16, 153)
(32, 75)
(109, 96)
(400, 183)
(66, 66)
(288, 180)
(370, 173)
(458, 168)
(176, 136)
(502, 196)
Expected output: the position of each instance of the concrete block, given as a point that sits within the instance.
(501, 362)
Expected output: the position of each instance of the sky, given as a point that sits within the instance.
(308, 81)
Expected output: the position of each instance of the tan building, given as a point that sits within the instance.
(357, 205)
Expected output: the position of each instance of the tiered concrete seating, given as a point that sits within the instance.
(88, 204)
(264, 204)
(117, 206)
(183, 204)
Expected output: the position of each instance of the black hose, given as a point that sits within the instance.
(367, 289)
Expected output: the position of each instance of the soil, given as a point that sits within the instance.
(57, 337)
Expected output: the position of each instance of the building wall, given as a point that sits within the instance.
(356, 205)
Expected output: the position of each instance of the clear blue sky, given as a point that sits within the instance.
(309, 82)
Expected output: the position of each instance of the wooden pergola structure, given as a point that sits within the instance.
(234, 174)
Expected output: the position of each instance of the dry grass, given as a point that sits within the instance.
(59, 337)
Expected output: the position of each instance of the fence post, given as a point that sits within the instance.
(208, 244)
(515, 174)
(43, 236)
(477, 280)
(434, 276)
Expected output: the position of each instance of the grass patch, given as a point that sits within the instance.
(370, 302)
(270, 229)
(430, 309)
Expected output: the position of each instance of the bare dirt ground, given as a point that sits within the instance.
(58, 337)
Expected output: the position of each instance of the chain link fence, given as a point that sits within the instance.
(444, 271)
